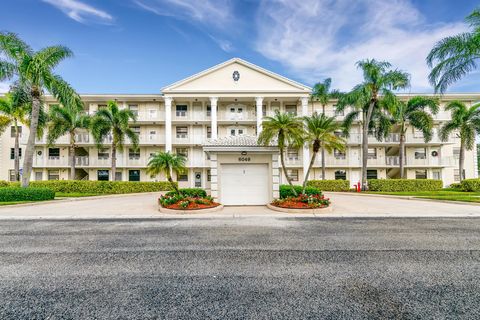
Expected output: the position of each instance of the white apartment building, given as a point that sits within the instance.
(213, 118)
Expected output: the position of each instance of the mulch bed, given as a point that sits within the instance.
(296, 205)
(192, 206)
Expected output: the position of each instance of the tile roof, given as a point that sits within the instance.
(236, 141)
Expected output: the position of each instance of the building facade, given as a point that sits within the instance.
(213, 118)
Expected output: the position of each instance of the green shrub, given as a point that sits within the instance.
(99, 187)
(286, 191)
(455, 186)
(191, 192)
(470, 185)
(12, 194)
(398, 185)
(330, 185)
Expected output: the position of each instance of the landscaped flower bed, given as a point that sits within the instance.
(187, 199)
(303, 201)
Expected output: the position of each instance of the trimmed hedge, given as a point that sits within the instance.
(286, 191)
(470, 185)
(99, 187)
(190, 192)
(330, 185)
(398, 185)
(12, 194)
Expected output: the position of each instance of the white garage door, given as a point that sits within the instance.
(244, 184)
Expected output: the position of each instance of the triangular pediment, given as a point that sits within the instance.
(221, 79)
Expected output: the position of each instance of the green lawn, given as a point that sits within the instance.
(445, 194)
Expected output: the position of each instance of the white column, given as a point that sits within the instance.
(213, 116)
(306, 149)
(259, 101)
(168, 124)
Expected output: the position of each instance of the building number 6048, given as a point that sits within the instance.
(244, 159)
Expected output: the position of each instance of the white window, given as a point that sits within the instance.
(182, 132)
(420, 174)
(209, 132)
(339, 154)
(118, 176)
(372, 174)
(12, 131)
(372, 153)
(181, 110)
(456, 174)
(152, 114)
(182, 177)
(134, 154)
(136, 129)
(209, 175)
(152, 135)
(103, 154)
(38, 176)
(11, 174)
(209, 111)
(236, 131)
(12, 153)
(292, 154)
(53, 175)
(291, 109)
(53, 153)
(436, 175)
(293, 174)
(456, 153)
(420, 153)
(340, 175)
(417, 133)
(134, 109)
(182, 152)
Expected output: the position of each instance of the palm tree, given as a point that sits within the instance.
(413, 113)
(34, 69)
(321, 92)
(111, 121)
(454, 57)
(288, 130)
(320, 132)
(368, 100)
(466, 122)
(67, 120)
(166, 162)
(13, 113)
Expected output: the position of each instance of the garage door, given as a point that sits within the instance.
(244, 184)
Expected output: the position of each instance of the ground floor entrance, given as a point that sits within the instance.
(245, 184)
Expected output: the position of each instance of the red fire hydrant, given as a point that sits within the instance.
(358, 187)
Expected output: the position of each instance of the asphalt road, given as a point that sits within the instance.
(275, 268)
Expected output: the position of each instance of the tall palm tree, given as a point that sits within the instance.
(414, 113)
(115, 122)
(466, 123)
(321, 92)
(67, 120)
(320, 133)
(368, 100)
(13, 114)
(287, 130)
(454, 57)
(35, 70)
(166, 162)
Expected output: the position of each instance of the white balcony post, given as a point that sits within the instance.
(259, 101)
(213, 116)
(168, 124)
(306, 149)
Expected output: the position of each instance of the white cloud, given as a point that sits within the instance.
(211, 12)
(4, 87)
(80, 11)
(319, 39)
(212, 15)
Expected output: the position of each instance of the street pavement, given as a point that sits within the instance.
(251, 267)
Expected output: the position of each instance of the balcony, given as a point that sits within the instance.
(150, 116)
(50, 162)
(82, 161)
(392, 138)
(293, 161)
(237, 116)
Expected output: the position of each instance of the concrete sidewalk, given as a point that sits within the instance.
(144, 206)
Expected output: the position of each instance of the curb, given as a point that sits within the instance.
(404, 198)
(312, 211)
(197, 211)
(73, 199)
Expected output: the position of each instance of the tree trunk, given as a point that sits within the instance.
(114, 160)
(366, 121)
(169, 178)
(282, 161)
(72, 156)
(402, 155)
(462, 159)
(323, 163)
(16, 153)
(314, 155)
(30, 148)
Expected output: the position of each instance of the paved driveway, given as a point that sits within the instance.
(145, 205)
(282, 268)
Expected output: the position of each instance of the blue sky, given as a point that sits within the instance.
(139, 46)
